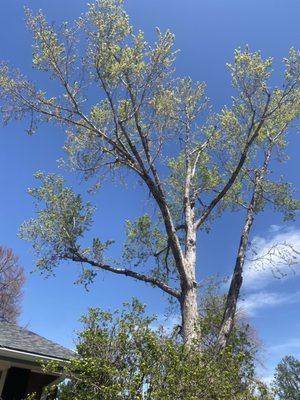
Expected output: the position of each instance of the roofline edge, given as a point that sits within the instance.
(28, 356)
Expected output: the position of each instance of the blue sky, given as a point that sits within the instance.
(207, 32)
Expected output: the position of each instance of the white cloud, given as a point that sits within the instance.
(261, 300)
(272, 257)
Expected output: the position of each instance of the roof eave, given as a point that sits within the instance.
(28, 356)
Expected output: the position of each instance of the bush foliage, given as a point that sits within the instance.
(126, 355)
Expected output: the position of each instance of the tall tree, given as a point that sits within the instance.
(11, 284)
(194, 163)
(287, 379)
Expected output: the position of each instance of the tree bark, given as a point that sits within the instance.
(237, 277)
(189, 313)
(189, 304)
(235, 286)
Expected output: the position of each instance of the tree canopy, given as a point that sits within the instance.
(124, 110)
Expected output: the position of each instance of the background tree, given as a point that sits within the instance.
(287, 379)
(194, 164)
(12, 279)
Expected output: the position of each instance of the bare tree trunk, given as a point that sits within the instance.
(189, 312)
(237, 277)
(189, 303)
(235, 285)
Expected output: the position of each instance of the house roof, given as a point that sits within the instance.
(13, 337)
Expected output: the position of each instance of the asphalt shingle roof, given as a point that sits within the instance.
(16, 338)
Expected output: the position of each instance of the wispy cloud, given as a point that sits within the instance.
(278, 255)
(289, 347)
(261, 300)
(275, 228)
(275, 354)
(273, 255)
